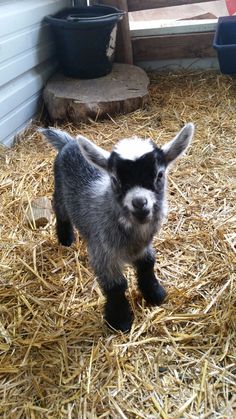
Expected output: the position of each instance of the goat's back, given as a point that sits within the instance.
(74, 179)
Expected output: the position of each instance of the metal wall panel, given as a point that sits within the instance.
(27, 59)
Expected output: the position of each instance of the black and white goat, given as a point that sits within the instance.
(117, 202)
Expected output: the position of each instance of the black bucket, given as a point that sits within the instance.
(85, 39)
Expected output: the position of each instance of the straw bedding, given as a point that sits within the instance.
(58, 359)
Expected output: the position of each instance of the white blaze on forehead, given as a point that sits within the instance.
(133, 148)
(139, 192)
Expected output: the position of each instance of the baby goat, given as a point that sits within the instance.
(117, 202)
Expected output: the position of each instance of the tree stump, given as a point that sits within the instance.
(124, 90)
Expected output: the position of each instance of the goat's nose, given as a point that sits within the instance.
(139, 203)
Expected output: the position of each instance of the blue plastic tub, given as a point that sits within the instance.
(225, 44)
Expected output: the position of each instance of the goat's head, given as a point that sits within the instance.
(137, 169)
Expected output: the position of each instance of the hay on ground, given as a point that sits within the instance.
(57, 357)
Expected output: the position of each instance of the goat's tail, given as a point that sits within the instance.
(57, 138)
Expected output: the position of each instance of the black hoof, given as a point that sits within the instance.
(66, 241)
(65, 233)
(119, 325)
(119, 316)
(154, 293)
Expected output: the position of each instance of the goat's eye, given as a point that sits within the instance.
(160, 175)
(115, 182)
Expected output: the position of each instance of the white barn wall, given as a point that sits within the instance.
(26, 61)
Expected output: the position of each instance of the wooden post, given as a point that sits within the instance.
(124, 52)
(80, 3)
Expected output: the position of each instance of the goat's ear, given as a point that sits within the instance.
(57, 138)
(179, 144)
(96, 155)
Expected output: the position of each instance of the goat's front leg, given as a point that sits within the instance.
(117, 311)
(151, 289)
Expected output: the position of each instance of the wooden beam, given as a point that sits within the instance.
(192, 45)
(124, 52)
(134, 5)
(188, 26)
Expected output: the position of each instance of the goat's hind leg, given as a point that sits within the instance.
(64, 228)
(151, 289)
(65, 232)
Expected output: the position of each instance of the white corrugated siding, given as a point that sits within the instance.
(26, 61)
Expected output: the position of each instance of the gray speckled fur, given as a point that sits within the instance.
(84, 197)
